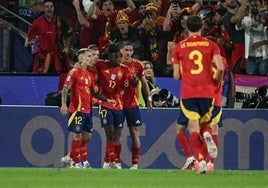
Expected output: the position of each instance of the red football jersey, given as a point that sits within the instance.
(81, 82)
(131, 94)
(111, 82)
(194, 55)
(218, 91)
(94, 73)
(46, 33)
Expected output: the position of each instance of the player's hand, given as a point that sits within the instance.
(111, 101)
(64, 110)
(134, 81)
(149, 106)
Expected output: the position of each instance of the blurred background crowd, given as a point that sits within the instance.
(154, 26)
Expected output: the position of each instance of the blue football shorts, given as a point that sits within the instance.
(79, 121)
(133, 117)
(111, 117)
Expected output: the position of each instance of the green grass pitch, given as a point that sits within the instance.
(125, 178)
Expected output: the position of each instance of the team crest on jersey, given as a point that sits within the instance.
(86, 81)
(68, 78)
(113, 76)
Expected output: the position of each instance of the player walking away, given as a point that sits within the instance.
(81, 84)
(192, 63)
(183, 140)
(112, 76)
(216, 121)
(130, 98)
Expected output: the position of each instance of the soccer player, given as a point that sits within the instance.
(112, 76)
(216, 121)
(192, 63)
(67, 161)
(81, 84)
(131, 99)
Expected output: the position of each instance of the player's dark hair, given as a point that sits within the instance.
(112, 47)
(125, 43)
(194, 23)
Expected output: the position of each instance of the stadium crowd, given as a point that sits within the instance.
(238, 27)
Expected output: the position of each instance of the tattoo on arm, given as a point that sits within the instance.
(64, 94)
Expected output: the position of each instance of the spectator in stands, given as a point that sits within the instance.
(161, 97)
(256, 42)
(105, 14)
(235, 13)
(44, 32)
(215, 32)
(154, 43)
(37, 7)
(88, 34)
(149, 75)
(218, 15)
(126, 32)
(172, 15)
(137, 16)
(70, 17)
(174, 25)
(176, 31)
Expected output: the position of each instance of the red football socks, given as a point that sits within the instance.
(185, 144)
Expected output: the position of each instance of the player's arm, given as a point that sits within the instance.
(99, 96)
(134, 81)
(64, 94)
(176, 64)
(219, 68)
(176, 72)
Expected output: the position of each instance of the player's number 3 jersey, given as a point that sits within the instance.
(194, 55)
